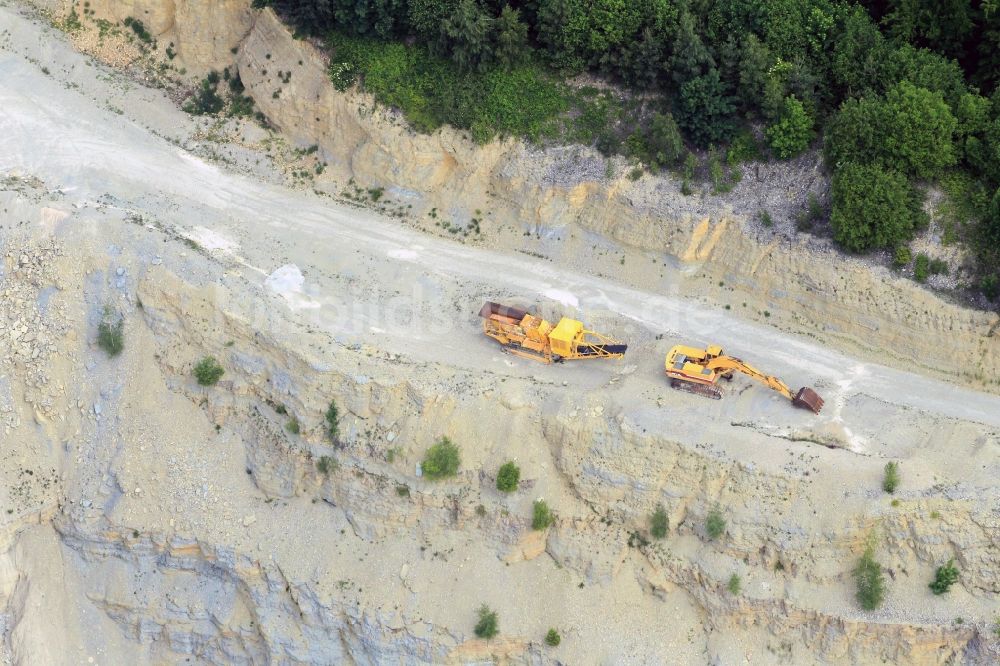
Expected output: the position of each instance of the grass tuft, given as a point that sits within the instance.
(111, 333)
(658, 523)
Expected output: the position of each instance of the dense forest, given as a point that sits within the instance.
(899, 93)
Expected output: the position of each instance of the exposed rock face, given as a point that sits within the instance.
(182, 594)
(203, 33)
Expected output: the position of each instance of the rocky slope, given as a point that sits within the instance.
(162, 521)
(188, 553)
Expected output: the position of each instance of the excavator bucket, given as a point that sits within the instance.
(808, 399)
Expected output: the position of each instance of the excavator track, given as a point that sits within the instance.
(698, 389)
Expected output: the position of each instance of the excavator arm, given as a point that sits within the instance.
(805, 398)
(724, 364)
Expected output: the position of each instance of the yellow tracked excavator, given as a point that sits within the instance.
(699, 370)
(527, 335)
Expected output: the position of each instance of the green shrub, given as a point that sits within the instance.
(139, 29)
(343, 75)
(660, 145)
(111, 333)
(902, 256)
(705, 110)
(326, 465)
(743, 148)
(292, 426)
(870, 581)
(541, 516)
(910, 130)
(890, 479)
(240, 106)
(734, 585)
(208, 371)
(715, 172)
(658, 523)
(508, 477)
(552, 638)
(814, 209)
(792, 133)
(987, 235)
(488, 624)
(921, 267)
(206, 99)
(765, 219)
(872, 208)
(441, 460)
(990, 286)
(689, 167)
(944, 578)
(332, 417)
(715, 524)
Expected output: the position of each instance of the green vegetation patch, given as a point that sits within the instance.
(139, 29)
(327, 465)
(541, 515)
(945, 576)
(208, 371)
(870, 580)
(890, 477)
(441, 460)
(432, 92)
(332, 418)
(715, 524)
(508, 477)
(488, 624)
(111, 333)
(658, 523)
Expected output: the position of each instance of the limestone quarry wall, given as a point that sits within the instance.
(156, 585)
(616, 474)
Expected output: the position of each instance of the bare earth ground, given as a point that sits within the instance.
(161, 520)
